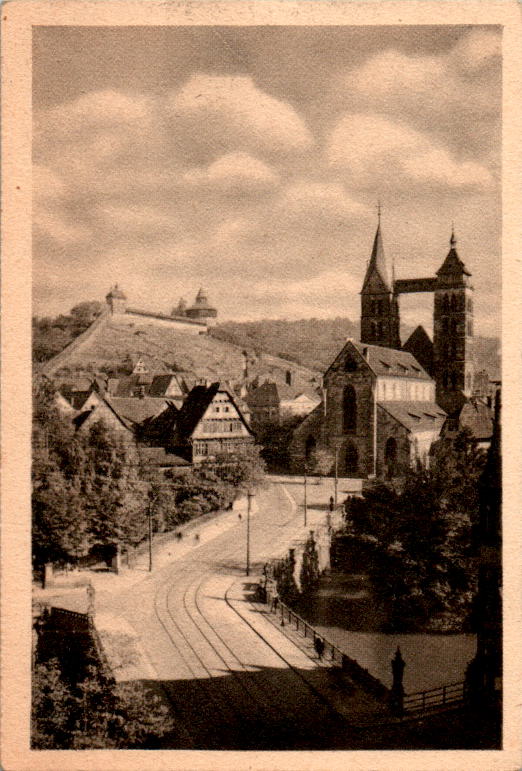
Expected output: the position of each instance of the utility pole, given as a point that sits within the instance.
(249, 499)
(305, 501)
(336, 479)
(150, 536)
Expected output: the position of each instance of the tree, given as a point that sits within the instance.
(242, 471)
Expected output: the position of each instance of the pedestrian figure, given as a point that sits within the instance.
(319, 647)
(275, 603)
(331, 503)
(196, 538)
(239, 515)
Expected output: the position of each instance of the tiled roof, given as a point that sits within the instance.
(137, 410)
(415, 416)
(195, 406)
(271, 394)
(388, 361)
(193, 409)
(161, 383)
(421, 347)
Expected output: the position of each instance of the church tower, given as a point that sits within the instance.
(379, 305)
(453, 332)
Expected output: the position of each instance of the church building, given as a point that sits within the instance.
(384, 404)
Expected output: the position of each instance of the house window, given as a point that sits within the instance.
(349, 409)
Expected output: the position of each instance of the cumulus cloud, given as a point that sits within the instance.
(226, 111)
(138, 219)
(319, 199)
(454, 95)
(381, 153)
(234, 172)
(478, 49)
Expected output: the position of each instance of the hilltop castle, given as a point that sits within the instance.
(196, 318)
(384, 404)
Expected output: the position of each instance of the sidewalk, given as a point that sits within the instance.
(356, 705)
(69, 590)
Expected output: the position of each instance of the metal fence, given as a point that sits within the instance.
(331, 652)
(434, 698)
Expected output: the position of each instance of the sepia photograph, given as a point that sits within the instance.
(266, 345)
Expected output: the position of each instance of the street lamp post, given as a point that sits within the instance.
(336, 479)
(150, 536)
(249, 499)
(305, 500)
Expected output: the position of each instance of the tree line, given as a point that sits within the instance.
(92, 489)
(417, 541)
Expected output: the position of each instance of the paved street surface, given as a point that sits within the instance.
(233, 679)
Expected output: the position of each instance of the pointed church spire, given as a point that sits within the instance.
(453, 265)
(377, 262)
(453, 240)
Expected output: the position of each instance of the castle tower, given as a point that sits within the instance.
(116, 300)
(379, 305)
(453, 332)
(201, 310)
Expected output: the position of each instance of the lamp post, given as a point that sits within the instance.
(305, 500)
(150, 535)
(249, 501)
(336, 479)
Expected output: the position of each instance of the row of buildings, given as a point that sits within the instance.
(378, 408)
(385, 404)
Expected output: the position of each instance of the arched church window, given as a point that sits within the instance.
(445, 325)
(453, 303)
(445, 304)
(373, 330)
(445, 379)
(380, 328)
(349, 409)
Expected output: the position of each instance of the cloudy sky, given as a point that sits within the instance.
(249, 160)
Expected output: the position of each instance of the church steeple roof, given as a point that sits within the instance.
(377, 262)
(453, 265)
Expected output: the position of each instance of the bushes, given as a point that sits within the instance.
(93, 714)
(418, 541)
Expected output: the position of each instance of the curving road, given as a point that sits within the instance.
(232, 679)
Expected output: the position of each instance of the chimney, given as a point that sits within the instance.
(365, 353)
(288, 377)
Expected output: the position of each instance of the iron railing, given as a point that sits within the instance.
(434, 698)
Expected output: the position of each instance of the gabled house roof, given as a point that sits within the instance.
(195, 406)
(415, 416)
(137, 410)
(385, 361)
(103, 404)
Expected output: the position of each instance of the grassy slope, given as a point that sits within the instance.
(201, 355)
(316, 342)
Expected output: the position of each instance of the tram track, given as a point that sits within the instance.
(244, 698)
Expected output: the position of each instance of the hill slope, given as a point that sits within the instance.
(110, 347)
(316, 342)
